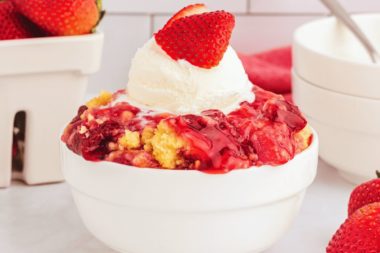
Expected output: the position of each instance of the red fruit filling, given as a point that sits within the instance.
(269, 131)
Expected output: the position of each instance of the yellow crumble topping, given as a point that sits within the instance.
(302, 138)
(130, 140)
(166, 144)
(146, 138)
(103, 99)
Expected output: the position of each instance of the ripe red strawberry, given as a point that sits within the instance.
(13, 25)
(187, 11)
(201, 39)
(365, 194)
(360, 233)
(61, 17)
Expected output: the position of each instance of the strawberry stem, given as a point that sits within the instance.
(99, 4)
(378, 174)
(101, 14)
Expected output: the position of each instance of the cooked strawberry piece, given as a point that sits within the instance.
(138, 158)
(212, 141)
(92, 143)
(283, 111)
(273, 144)
(94, 147)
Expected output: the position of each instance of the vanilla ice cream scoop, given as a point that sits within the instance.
(157, 81)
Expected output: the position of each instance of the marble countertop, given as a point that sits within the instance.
(44, 219)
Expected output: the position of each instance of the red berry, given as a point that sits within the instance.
(187, 11)
(61, 17)
(273, 143)
(360, 233)
(200, 39)
(364, 194)
(13, 25)
(284, 112)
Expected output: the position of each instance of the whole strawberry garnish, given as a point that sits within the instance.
(13, 25)
(360, 233)
(61, 17)
(201, 39)
(364, 194)
(187, 11)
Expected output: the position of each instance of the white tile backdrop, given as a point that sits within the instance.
(260, 25)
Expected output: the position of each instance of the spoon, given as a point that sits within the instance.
(341, 14)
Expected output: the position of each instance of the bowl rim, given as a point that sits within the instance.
(51, 40)
(132, 186)
(297, 41)
(294, 72)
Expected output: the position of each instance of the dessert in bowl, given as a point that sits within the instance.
(192, 157)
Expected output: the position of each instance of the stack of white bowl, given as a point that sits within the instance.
(337, 87)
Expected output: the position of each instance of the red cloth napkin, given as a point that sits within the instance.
(270, 69)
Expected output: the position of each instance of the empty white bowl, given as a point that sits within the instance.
(326, 54)
(348, 127)
(145, 210)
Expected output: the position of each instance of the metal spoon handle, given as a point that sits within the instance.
(336, 8)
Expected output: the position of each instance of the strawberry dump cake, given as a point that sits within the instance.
(189, 105)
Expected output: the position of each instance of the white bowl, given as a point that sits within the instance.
(348, 127)
(144, 210)
(47, 78)
(326, 54)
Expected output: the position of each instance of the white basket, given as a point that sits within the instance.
(46, 78)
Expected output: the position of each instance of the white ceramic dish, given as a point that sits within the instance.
(326, 54)
(348, 127)
(170, 211)
(46, 78)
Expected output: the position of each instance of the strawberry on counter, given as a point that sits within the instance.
(360, 233)
(365, 194)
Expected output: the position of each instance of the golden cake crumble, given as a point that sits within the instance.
(166, 146)
(103, 99)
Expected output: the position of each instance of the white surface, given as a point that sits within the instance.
(326, 54)
(289, 6)
(170, 6)
(149, 210)
(43, 219)
(238, 6)
(47, 78)
(309, 6)
(123, 35)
